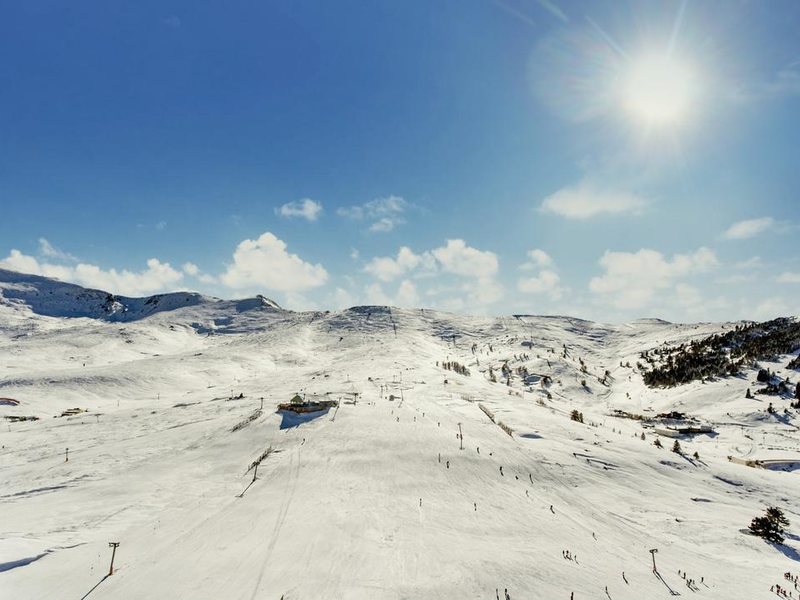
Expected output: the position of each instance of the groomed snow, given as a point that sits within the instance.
(374, 499)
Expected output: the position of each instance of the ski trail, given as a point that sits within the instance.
(286, 502)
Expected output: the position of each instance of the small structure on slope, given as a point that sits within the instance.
(675, 424)
(299, 404)
(71, 412)
(679, 430)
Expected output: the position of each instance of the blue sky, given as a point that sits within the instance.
(607, 160)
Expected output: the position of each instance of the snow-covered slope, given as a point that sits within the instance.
(53, 298)
(379, 498)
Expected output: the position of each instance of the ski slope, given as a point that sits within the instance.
(378, 498)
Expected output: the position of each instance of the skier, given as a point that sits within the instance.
(501, 470)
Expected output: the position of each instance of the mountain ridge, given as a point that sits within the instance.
(51, 297)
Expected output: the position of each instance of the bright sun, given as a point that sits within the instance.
(658, 90)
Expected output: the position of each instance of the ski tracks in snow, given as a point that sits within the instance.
(286, 502)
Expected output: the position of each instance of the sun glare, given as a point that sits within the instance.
(658, 90)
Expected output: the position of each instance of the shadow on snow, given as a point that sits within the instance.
(290, 419)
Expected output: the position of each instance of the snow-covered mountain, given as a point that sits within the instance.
(451, 468)
(53, 298)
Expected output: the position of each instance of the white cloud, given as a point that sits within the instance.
(158, 276)
(483, 291)
(17, 261)
(749, 228)
(458, 258)
(384, 214)
(770, 308)
(406, 295)
(387, 268)
(47, 250)
(538, 259)
(191, 269)
(297, 301)
(454, 257)
(475, 269)
(789, 277)
(585, 200)
(545, 283)
(342, 298)
(473, 295)
(632, 279)
(306, 208)
(375, 295)
(384, 224)
(265, 262)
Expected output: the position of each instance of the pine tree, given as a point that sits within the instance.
(776, 515)
(676, 447)
(748, 395)
(771, 526)
(657, 443)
